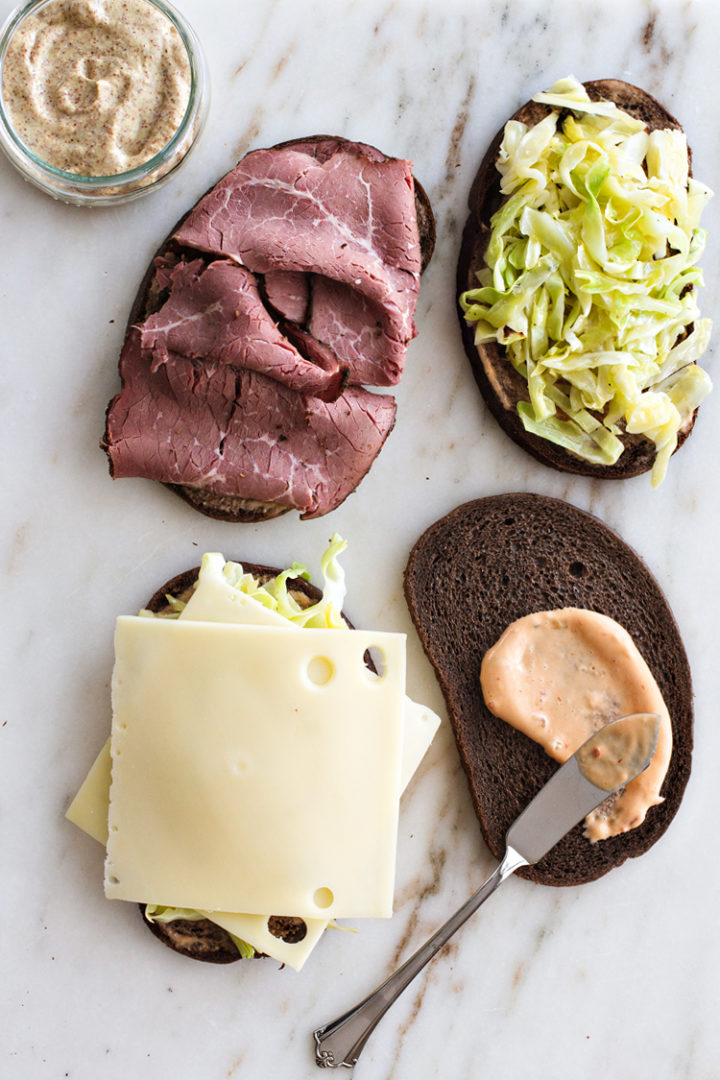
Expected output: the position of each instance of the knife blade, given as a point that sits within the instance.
(570, 795)
(609, 760)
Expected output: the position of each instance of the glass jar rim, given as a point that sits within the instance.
(138, 172)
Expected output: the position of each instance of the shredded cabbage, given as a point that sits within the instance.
(175, 609)
(275, 595)
(161, 914)
(590, 278)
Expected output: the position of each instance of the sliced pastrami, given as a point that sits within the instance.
(216, 313)
(330, 210)
(239, 433)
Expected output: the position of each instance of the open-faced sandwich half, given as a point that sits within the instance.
(578, 280)
(248, 794)
(542, 626)
(287, 291)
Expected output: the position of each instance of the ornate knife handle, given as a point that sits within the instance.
(338, 1045)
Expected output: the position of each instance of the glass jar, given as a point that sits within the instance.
(93, 190)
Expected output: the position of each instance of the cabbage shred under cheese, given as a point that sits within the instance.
(274, 594)
(590, 277)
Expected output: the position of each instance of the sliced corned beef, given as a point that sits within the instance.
(216, 312)
(326, 208)
(342, 319)
(352, 327)
(316, 351)
(240, 433)
(288, 292)
(308, 280)
(323, 147)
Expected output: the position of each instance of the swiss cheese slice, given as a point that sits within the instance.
(214, 599)
(419, 727)
(254, 929)
(89, 811)
(255, 769)
(89, 808)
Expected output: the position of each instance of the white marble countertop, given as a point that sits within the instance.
(619, 978)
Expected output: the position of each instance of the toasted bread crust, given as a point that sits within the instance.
(500, 385)
(495, 560)
(147, 301)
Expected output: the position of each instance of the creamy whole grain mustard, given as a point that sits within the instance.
(560, 676)
(101, 101)
(96, 87)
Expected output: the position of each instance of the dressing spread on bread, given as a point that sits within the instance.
(616, 753)
(560, 676)
(96, 87)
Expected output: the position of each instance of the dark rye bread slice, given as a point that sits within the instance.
(500, 385)
(492, 561)
(202, 939)
(150, 299)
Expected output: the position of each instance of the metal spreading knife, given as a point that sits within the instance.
(566, 799)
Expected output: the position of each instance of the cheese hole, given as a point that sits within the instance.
(288, 928)
(320, 670)
(323, 897)
(375, 662)
(113, 880)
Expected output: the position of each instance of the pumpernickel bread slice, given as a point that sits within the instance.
(495, 560)
(149, 299)
(500, 385)
(202, 939)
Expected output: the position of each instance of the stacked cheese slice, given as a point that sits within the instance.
(253, 769)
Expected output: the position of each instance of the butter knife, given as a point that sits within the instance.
(612, 757)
